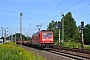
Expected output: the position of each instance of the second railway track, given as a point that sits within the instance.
(70, 54)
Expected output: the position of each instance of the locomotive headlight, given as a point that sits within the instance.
(43, 39)
(51, 39)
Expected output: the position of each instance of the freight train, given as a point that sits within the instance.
(41, 39)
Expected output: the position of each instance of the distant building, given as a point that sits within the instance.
(8, 40)
(1, 41)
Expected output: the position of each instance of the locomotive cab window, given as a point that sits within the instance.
(44, 34)
(47, 34)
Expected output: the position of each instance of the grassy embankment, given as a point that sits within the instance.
(74, 45)
(11, 51)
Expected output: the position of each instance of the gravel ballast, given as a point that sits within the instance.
(45, 54)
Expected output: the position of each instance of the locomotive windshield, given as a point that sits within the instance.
(47, 34)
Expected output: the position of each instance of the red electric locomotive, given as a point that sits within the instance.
(43, 39)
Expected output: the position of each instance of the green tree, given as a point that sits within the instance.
(52, 26)
(87, 34)
(71, 32)
(70, 28)
(17, 37)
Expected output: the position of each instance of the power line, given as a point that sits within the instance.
(85, 7)
(84, 11)
(70, 7)
(54, 11)
(64, 10)
(58, 7)
(83, 16)
(55, 8)
(73, 5)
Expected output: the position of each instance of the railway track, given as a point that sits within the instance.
(70, 54)
(77, 50)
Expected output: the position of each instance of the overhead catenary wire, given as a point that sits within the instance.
(55, 8)
(85, 8)
(81, 8)
(58, 7)
(83, 16)
(69, 7)
(64, 10)
(60, 13)
(72, 6)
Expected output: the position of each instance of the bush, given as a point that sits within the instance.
(71, 45)
(11, 51)
(87, 47)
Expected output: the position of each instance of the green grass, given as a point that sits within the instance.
(73, 45)
(11, 51)
(87, 47)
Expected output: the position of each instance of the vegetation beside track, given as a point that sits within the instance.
(87, 47)
(73, 45)
(11, 51)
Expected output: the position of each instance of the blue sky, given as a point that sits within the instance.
(36, 12)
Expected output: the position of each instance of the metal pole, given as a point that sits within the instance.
(63, 28)
(21, 27)
(82, 40)
(59, 37)
(4, 36)
(2, 33)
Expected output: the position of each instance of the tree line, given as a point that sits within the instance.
(18, 37)
(71, 31)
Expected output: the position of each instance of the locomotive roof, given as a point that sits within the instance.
(41, 31)
(44, 30)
